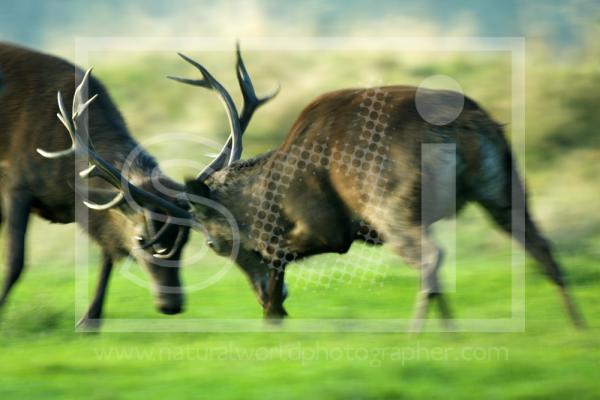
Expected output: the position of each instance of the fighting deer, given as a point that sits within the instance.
(29, 82)
(147, 216)
(352, 168)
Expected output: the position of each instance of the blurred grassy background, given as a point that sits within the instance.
(41, 356)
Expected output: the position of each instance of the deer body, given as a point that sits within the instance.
(350, 171)
(29, 82)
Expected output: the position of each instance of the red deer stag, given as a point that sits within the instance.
(351, 168)
(29, 82)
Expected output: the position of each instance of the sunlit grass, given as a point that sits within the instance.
(42, 357)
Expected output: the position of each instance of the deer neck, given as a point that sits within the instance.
(265, 205)
(242, 189)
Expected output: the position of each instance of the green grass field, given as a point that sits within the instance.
(41, 355)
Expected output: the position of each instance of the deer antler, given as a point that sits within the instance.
(99, 167)
(232, 149)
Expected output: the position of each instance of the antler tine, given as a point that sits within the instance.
(209, 82)
(155, 235)
(232, 149)
(62, 116)
(251, 101)
(176, 245)
(79, 104)
(99, 167)
(102, 207)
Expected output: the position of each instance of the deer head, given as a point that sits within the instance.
(216, 222)
(163, 219)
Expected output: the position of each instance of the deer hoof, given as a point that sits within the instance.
(275, 313)
(90, 325)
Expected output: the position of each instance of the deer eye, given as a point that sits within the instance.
(210, 244)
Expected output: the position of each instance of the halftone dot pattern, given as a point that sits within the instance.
(367, 160)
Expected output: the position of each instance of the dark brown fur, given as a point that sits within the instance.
(332, 200)
(29, 82)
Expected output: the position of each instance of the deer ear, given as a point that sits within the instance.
(197, 188)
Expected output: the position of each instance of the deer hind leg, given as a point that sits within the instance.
(539, 249)
(418, 250)
(16, 209)
(92, 318)
(503, 196)
(523, 230)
